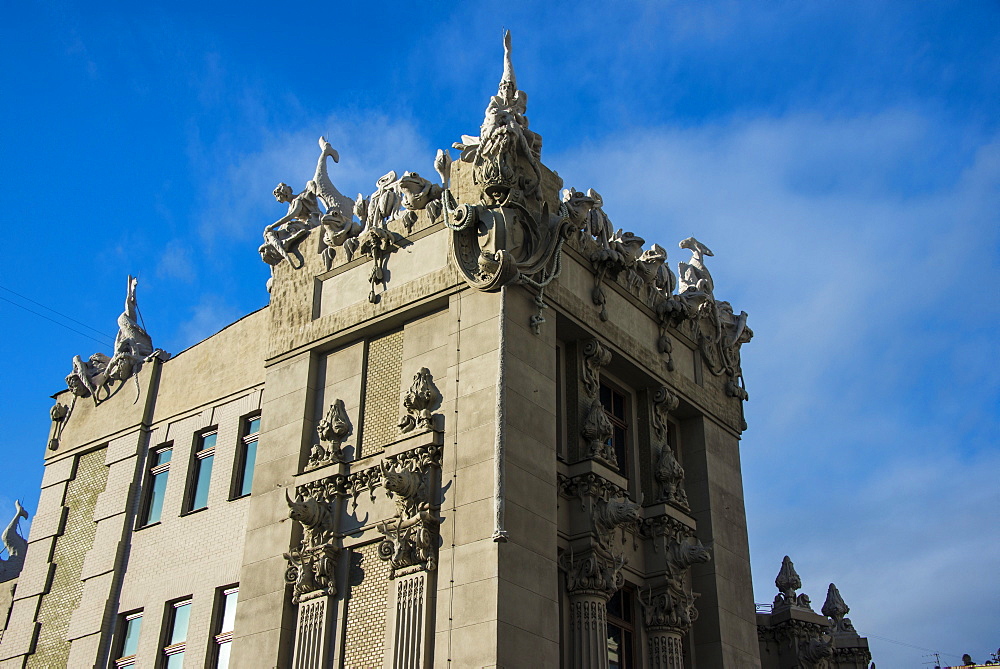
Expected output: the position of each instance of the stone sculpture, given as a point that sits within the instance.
(597, 431)
(312, 566)
(836, 609)
(694, 276)
(14, 544)
(422, 398)
(59, 413)
(332, 430)
(505, 233)
(133, 346)
(417, 194)
(669, 475)
(788, 582)
(375, 240)
(609, 515)
(282, 237)
(411, 536)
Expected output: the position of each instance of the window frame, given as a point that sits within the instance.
(627, 626)
(219, 636)
(168, 649)
(195, 469)
(626, 424)
(239, 470)
(124, 621)
(149, 484)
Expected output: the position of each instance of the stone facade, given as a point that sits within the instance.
(493, 431)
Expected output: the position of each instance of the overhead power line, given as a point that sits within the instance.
(901, 643)
(103, 342)
(69, 318)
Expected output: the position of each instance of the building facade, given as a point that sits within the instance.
(476, 426)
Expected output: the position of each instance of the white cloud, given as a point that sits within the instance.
(865, 251)
(176, 262)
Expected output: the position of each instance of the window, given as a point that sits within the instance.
(128, 642)
(248, 457)
(621, 630)
(177, 618)
(204, 455)
(156, 486)
(224, 618)
(616, 407)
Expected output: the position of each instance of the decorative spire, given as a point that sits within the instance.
(508, 64)
(835, 608)
(788, 582)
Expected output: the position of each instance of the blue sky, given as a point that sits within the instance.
(841, 159)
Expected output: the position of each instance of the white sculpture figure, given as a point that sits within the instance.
(505, 165)
(283, 236)
(694, 276)
(133, 346)
(14, 544)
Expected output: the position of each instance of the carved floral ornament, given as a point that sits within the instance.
(411, 535)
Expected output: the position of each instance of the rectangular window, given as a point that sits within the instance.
(156, 486)
(244, 477)
(224, 619)
(177, 618)
(616, 408)
(204, 455)
(128, 643)
(621, 630)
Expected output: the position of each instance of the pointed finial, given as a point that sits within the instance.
(788, 582)
(508, 64)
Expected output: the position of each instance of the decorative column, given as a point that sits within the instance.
(669, 611)
(593, 576)
(591, 581)
(410, 547)
(312, 569)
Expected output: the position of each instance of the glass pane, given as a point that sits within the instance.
(615, 648)
(203, 477)
(615, 605)
(626, 613)
(157, 489)
(179, 628)
(163, 456)
(606, 397)
(224, 650)
(249, 458)
(228, 612)
(619, 406)
(175, 661)
(254, 426)
(132, 627)
(208, 441)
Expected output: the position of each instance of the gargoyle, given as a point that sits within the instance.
(407, 488)
(609, 515)
(315, 518)
(681, 555)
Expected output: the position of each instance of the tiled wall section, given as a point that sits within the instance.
(382, 388)
(365, 631)
(70, 550)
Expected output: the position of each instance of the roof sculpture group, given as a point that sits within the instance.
(505, 233)
(101, 376)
